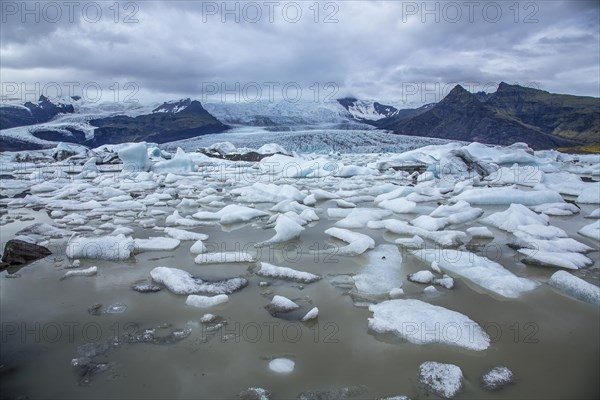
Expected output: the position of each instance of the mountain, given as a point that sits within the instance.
(32, 113)
(362, 110)
(511, 114)
(95, 125)
(171, 121)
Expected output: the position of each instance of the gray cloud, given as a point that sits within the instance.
(376, 49)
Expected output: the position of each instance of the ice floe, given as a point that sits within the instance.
(575, 287)
(480, 271)
(272, 271)
(422, 323)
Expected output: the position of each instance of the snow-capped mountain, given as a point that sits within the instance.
(173, 106)
(367, 109)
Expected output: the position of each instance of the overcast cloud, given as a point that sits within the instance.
(384, 50)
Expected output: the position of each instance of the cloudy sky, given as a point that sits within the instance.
(395, 51)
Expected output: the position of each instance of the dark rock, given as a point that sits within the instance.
(18, 252)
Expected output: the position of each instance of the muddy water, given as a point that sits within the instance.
(549, 341)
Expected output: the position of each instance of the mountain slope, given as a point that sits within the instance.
(171, 121)
(44, 110)
(571, 117)
(508, 116)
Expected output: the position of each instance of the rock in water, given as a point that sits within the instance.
(18, 252)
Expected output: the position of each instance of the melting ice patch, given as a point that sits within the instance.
(422, 323)
(480, 271)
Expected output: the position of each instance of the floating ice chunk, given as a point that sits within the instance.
(282, 365)
(74, 205)
(321, 194)
(267, 193)
(272, 271)
(424, 276)
(459, 213)
(116, 308)
(445, 380)
(359, 217)
(539, 231)
(480, 232)
(223, 147)
(156, 244)
(444, 281)
(122, 231)
(176, 280)
(480, 271)
(43, 187)
(429, 223)
(400, 191)
(224, 258)
(558, 245)
(46, 230)
(286, 229)
(282, 304)
(590, 195)
(176, 219)
(492, 196)
(182, 282)
(231, 214)
(421, 323)
(198, 247)
(557, 259)
(312, 314)
(348, 171)
(527, 175)
(575, 287)
(591, 231)
(134, 157)
(289, 205)
(111, 248)
(497, 378)
(382, 272)
(414, 242)
(341, 203)
(513, 217)
(431, 291)
(350, 236)
(206, 301)
(271, 148)
(396, 293)
(400, 206)
(255, 393)
(208, 318)
(180, 164)
(594, 214)
(182, 234)
(443, 238)
(91, 271)
(559, 209)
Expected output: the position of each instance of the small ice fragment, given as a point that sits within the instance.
(281, 365)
